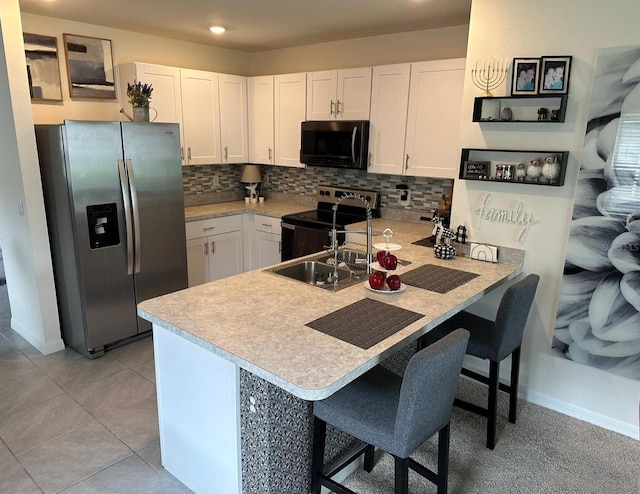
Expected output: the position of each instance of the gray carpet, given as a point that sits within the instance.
(545, 452)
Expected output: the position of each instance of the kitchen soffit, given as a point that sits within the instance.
(258, 25)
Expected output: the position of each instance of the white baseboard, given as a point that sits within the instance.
(581, 413)
(44, 348)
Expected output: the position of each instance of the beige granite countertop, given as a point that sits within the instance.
(275, 209)
(257, 319)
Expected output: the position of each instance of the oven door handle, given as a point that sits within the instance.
(288, 226)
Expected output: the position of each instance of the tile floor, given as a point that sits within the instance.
(73, 425)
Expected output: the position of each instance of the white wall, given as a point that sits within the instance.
(414, 46)
(23, 230)
(519, 28)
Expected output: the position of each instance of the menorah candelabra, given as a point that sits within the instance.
(488, 75)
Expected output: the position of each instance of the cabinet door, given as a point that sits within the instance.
(389, 101)
(321, 95)
(268, 249)
(198, 260)
(433, 123)
(166, 98)
(354, 94)
(233, 118)
(225, 255)
(261, 119)
(201, 117)
(289, 111)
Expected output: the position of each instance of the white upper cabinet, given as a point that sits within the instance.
(432, 146)
(234, 137)
(339, 94)
(201, 116)
(289, 112)
(389, 102)
(261, 147)
(415, 118)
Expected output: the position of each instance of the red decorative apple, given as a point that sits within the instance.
(393, 282)
(390, 262)
(380, 257)
(376, 281)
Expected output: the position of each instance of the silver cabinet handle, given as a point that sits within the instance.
(331, 109)
(126, 199)
(370, 159)
(337, 108)
(213, 248)
(226, 153)
(189, 153)
(206, 248)
(280, 247)
(267, 225)
(406, 163)
(208, 228)
(182, 153)
(269, 154)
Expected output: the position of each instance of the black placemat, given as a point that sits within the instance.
(437, 278)
(365, 323)
(425, 242)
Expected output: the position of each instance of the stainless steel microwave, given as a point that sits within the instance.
(335, 143)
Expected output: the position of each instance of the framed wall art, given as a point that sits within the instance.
(43, 68)
(554, 75)
(525, 76)
(476, 169)
(89, 67)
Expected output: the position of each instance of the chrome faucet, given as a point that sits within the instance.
(334, 234)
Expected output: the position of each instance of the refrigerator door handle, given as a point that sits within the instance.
(126, 199)
(136, 215)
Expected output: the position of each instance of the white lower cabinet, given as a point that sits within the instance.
(214, 249)
(267, 242)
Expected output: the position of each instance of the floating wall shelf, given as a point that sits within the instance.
(513, 166)
(522, 108)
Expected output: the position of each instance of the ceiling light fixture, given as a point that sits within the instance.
(217, 29)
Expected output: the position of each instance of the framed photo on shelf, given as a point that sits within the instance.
(554, 75)
(89, 67)
(525, 76)
(476, 169)
(43, 69)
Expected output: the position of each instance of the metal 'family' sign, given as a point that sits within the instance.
(516, 216)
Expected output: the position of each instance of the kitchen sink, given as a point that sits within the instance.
(314, 272)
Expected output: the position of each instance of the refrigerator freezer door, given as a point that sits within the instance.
(152, 156)
(93, 151)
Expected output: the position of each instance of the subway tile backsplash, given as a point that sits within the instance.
(217, 183)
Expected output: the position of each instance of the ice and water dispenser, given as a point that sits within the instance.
(102, 220)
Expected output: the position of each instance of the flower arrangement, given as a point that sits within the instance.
(139, 94)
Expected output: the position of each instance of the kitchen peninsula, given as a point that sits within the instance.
(237, 367)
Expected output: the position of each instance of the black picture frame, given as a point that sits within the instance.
(554, 74)
(525, 76)
(476, 169)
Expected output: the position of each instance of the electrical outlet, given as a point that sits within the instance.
(405, 194)
(215, 180)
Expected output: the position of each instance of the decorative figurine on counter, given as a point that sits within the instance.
(534, 170)
(521, 172)
(551, 168)
(443, 249)
(461, 234)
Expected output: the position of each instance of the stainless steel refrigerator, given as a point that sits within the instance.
(115, 214)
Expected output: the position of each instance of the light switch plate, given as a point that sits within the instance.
(483, 252)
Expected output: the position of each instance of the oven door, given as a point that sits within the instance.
(299, 240)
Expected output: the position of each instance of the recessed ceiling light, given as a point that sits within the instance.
(217, 29)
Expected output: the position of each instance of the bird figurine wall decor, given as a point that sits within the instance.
(521, 172)
(534, 170)
(551, 168)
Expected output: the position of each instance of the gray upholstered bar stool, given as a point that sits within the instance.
(396, 414)
(494, 341)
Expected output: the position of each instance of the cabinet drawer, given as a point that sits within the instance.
(267, 224)
(213, 226)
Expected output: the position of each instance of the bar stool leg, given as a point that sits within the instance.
(401, 475)
(443, 459)
(368, 458)
(317, 459)
(492, 408)
(513, 385)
